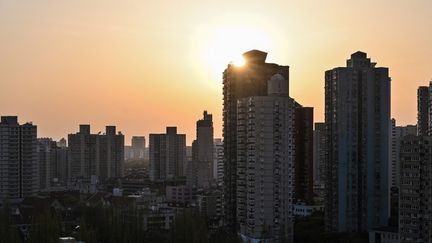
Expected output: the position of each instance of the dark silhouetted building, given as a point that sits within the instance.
(100, 155)
(357, 119)
(167, 155)
(201, 166)
(319, 153)
(423, 107)
(19, 164)
(303, 132)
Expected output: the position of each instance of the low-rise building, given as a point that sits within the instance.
(384, 235)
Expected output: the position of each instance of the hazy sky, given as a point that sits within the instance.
(142, 65)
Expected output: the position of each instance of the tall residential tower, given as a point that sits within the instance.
(357, 119)
(19, 163)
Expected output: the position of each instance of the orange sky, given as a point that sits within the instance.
(142, 65)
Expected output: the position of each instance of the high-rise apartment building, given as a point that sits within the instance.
(303, 132)
(218, 164)
(259, 150)
(19, 164)
(167, 155)
(265, 164)
(319, 153)
(100, 155)
(415, 199)
(357, 120)
(201, 167)
(240, 82)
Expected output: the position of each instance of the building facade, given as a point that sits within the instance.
(218, 164)
(167, 155)
(265, 164)
(397, 133)
(201, 167)
(357, 120)
(19, 164)
(53, 161)
(415, 199)
(423, 106)
(319, 154)
(100, 155)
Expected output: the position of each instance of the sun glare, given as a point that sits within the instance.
(227, 44)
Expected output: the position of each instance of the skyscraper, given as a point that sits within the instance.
(241, 82)
(357, 119)
(19, 164)
(167, 155)
(202, 153)
(100, 155)
(415, 207)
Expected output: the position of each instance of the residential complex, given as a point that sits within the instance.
(97, 155)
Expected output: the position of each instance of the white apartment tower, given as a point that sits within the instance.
(265, 152)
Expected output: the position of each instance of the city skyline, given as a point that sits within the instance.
(93, 63)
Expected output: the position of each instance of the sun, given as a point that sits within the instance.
(226, 44)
